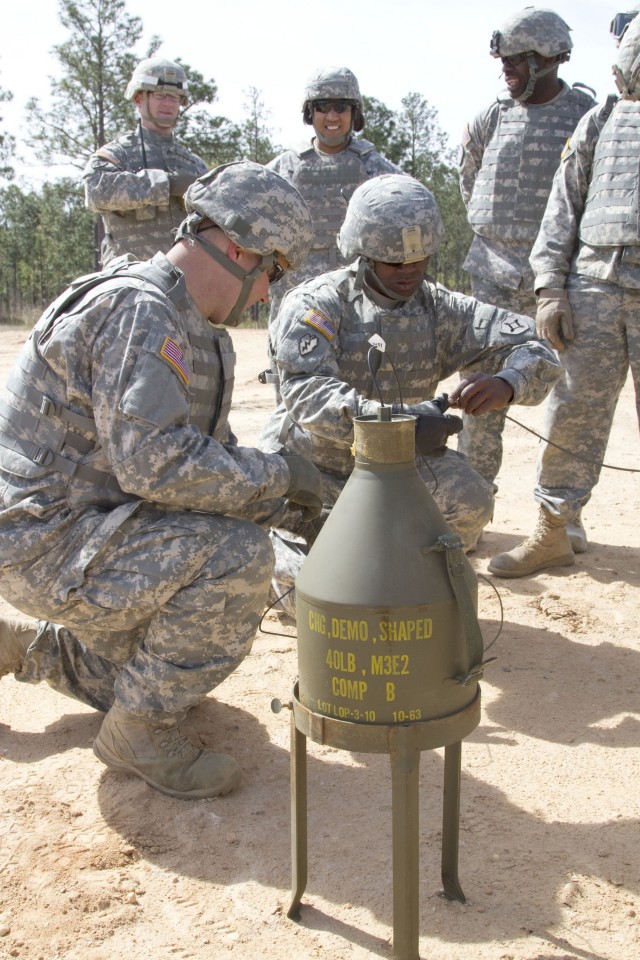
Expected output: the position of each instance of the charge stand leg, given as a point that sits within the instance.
(405, 767)
(298, 819)
(451, 822)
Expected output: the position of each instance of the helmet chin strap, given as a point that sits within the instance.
(535, 73)
(373, 280)
(248, 277)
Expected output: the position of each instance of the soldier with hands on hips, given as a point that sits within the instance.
(510, 152)
(137, 183)
(130, 518)
(321, 343)
(586, 262)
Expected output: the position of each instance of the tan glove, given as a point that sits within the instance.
(554, 320)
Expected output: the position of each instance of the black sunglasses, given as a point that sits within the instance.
(326, 106)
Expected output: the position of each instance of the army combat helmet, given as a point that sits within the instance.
(334, 83)
(156, 75)
(533, 30)
(391, 218)
(256, 208)
(626, 69)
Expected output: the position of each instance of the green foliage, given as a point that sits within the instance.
(382, 128)
(414, 140)
(255, 141)
(215, 139)
(88, 108)
(46, 239)
(47, 235)
(7, 143)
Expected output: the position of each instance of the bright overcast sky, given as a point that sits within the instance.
(438, 49)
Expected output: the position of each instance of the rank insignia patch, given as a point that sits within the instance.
(320, 323)
(171, 352)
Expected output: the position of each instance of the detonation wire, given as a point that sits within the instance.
(373, 369)
(481, 576)
(276, 633)
(576, 456)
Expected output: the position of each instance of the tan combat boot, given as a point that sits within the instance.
(577, 535)
(549, 546)
(162, 755)
(16, 636)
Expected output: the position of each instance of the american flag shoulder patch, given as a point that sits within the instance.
(171, 352)
(320, 323)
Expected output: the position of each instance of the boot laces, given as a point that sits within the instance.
(174, 743)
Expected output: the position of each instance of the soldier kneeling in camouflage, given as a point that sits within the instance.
(129, 515)
(321, 348)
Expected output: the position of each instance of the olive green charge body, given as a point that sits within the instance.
(381, 637)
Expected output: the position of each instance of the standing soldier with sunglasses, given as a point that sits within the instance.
(327, 171)
(510, 152)
(136, 183)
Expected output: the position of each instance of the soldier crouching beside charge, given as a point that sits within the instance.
(128, 513)
(321, 343)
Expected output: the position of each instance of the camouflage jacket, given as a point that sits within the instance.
(510, 152)
(127, 182)
(321, 344)
(123, 396)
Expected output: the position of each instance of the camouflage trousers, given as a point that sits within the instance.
(580, 408)
(168, 608)
(481, 438)
(464, 498)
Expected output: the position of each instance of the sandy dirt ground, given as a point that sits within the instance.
(95, 865)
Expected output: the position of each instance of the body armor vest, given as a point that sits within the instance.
(409, 335)
(521, 156)
(611, 213)
(326, 182)
(41, 434)
(130, 231)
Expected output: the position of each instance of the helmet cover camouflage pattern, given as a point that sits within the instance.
(334, 83)
(154, 74)
(392, 218)
(532, 30)
(255, 207)
(626, 69)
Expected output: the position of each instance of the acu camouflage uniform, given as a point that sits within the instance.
(326, 182)
(122, 490)
(589, 242)
(510, 153)
(127, 182)
(321, 343)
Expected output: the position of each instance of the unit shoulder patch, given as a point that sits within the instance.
(514, 326)
(307, 344)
